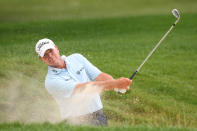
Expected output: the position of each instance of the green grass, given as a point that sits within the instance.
(163, 94)
(33, 10)
(63, 126)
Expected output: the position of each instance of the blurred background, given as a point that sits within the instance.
(34, 10)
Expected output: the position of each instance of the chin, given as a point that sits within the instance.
(55, 64)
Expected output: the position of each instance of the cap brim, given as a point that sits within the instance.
(44, 49)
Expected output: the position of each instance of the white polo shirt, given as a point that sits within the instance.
(60, 83)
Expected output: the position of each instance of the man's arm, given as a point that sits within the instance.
(103, 80)
(121, 83)
(104, 76)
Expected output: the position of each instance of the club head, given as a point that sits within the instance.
(175, 12)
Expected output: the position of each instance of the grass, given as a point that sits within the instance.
(163, 94)
(63, 126)
(34, 10)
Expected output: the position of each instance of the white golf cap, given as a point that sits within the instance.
(43, 45)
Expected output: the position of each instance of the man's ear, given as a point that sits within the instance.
(42, 59)
(56, 48)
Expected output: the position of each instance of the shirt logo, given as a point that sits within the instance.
(79, 71)
(54, 71)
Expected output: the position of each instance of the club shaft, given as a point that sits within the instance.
(153, 49)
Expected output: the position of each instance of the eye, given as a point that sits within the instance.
(49, 51)
(45, 55)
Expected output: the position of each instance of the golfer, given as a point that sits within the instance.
(67, 76)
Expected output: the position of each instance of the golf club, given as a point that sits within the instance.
(175, 12)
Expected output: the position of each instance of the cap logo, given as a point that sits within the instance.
(42, 43)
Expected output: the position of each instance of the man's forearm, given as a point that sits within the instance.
(121, 83)
(105, 85)
(104, 76)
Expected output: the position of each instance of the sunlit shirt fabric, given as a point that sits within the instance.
(60, 83)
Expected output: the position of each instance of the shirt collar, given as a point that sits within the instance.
(53, 70)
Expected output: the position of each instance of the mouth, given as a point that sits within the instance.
(52, 60)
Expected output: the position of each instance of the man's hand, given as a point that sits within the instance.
(123, 83)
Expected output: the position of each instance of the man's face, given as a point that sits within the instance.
(51, 57)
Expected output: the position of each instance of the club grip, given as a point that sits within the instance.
(122, 91)
(133, 75)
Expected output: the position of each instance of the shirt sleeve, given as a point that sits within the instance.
(60, 88)
(91, 70)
